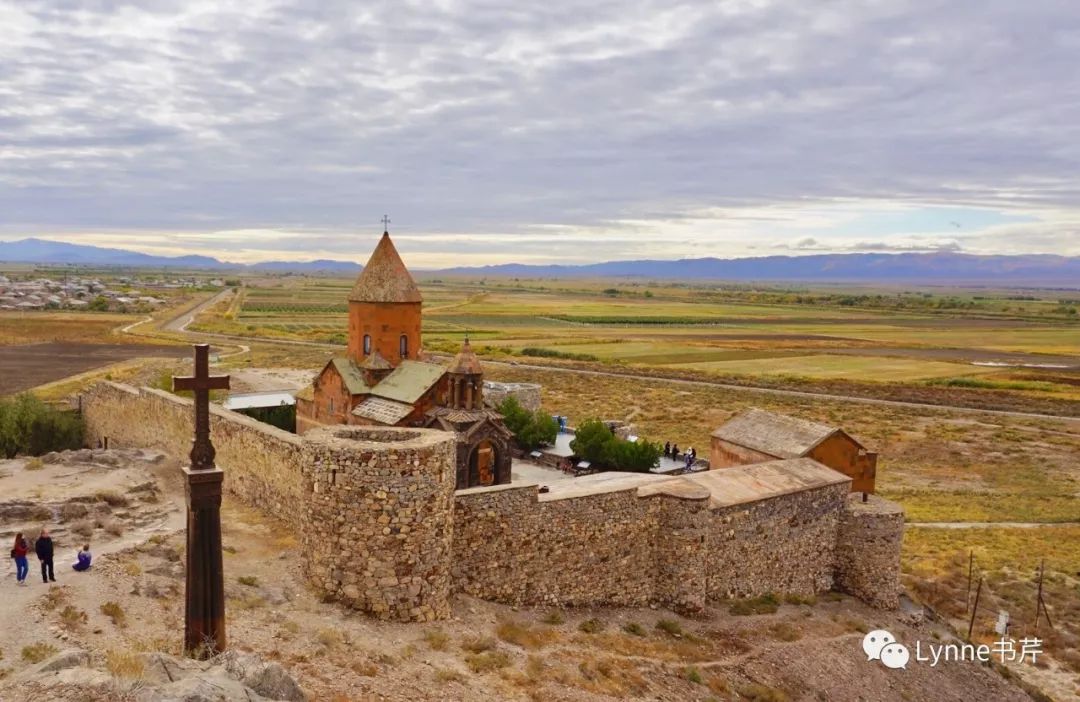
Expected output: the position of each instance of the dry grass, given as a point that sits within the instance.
(72, 617)
(115, 612)
(112, 498)
(73, 510)
(248, 580)
(445, 675)
(83, 528)
(528, 637)
(591, 626)
(35, 653)
(54, 598)
(755, 692)
(331, 638)
(34, 464)
(477, 644)
(436, 639)
(124, 664)
(487, 661)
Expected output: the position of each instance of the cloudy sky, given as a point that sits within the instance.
(541, 131)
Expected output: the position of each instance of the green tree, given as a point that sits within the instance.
(530, 429)
(30, 427)
(594, 442)
(99, 304)
(590, 439)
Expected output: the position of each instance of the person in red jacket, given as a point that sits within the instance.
(22, 567)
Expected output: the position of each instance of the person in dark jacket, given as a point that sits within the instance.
(44, 550)
(19, 554)
(82, 561)
(667, 449)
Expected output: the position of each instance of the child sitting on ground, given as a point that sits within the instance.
(83, 562)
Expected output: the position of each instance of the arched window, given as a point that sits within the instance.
(367, 344)
(331, 405)
(403, 346)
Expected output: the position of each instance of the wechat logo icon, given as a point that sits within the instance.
(880, 645)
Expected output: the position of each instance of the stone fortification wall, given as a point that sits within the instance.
(594, 549)
(383, 531)
(378, 524)
(264, 466)
(660, 543)
(868, 550)
(527, 394)
(785, 544)
(373, 506)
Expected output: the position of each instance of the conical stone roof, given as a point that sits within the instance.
(385, 277)
(466, 362)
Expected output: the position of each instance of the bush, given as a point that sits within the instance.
(30, 427)
(591, 626)
(594, 442)
(766, 604)
(669, 627)
(530, 429)
(634, 629)
(249, 580)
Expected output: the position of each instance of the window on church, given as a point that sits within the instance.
(367, 344)
(331, 405)
(403, 346)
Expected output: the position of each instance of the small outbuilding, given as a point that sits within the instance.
(757, 436)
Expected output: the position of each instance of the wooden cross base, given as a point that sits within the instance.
(204, 624)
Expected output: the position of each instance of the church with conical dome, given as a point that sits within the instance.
(385, 379)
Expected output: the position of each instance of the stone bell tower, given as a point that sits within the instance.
(466, 380)
(384, 309)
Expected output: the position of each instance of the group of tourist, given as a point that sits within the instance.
(43, 549)
(672, 451)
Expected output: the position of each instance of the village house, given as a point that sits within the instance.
(384, 379)
(758, 436)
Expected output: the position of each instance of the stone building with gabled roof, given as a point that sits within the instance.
(383, 380)
(758, 436)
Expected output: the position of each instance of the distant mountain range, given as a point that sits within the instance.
(43, 251)
(943, 268)
(938, 268)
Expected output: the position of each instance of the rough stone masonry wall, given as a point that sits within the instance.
(263, 464)
(374, 515)
(868, 550)
(784, 544)
(621, 549)
(586, 550)
(378, 523)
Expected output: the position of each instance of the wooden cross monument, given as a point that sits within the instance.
(204, 625)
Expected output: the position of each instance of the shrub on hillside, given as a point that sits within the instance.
(30, 427)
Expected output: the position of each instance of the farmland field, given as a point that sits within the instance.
(991, 341)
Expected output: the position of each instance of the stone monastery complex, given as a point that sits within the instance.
(400, 486)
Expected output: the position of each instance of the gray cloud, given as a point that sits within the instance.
(484, 117)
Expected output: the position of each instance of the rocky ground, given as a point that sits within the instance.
(114, 632)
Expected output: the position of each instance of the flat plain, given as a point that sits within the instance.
(999, 489)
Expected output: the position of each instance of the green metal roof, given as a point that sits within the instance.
(409, 381)
(352, 375)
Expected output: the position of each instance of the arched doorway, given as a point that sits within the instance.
(482, 462)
